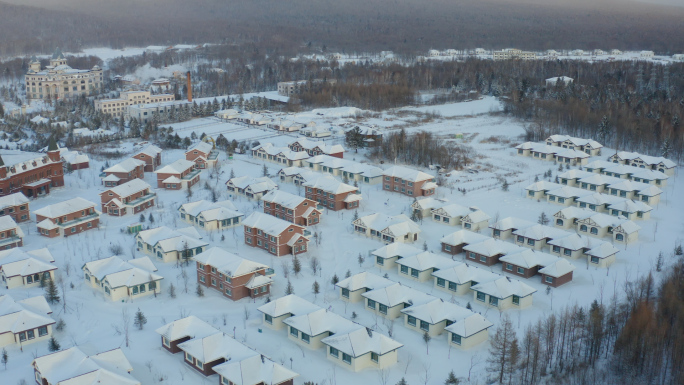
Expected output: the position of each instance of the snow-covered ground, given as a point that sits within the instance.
(91, 320)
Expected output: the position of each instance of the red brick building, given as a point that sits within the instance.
(557, 273)
(123, 172)
(333, 194)
(408, 181)
(11, 235)
(129, 198)
(151, 155)
(16, 206)
(178, 175)
(33, 177)
(234, 277)
(67, 218)
(275, 235)
(292, 208)
(203, 154)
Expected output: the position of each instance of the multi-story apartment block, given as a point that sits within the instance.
(33, 177)
(67, 218)
(292, 208)
(151, 155)
(295, 87)
(59, 81)
(275, 235)
(333, 194)
(16, 206)
(119, 107)
(129, 198)
(145, 113)
(177, 175)
(234, 277)
(408, 181)
(203, 154)
(513, 53)
(123, 172)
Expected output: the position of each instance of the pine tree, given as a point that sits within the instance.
(426, 339)
(51, 292)
(4, 358)
(316, 288)
(348, 274)
(334, 279)
(356, 215)
(678, 250)
(451, 379)
(543, 219)
(402, 381)
(264, 171)
(60, 325)
(142, 217)
(289, 289)
(504, 185)
(150, 218)
(296, 265)
(665, 148)
(140, 319)
(172, 291)
(232, 174)
(53, 345)
(199, 290)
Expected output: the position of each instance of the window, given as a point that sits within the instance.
(530, 241)
(188, 357)
(441, 282)
(453, 286)
(521, 270)
(199, 364)
(424, 326)
(619, 237)
(346, 358)
(404, 269)
(135, 290)
(548, 279)
(165, 342)
(371, 304)
(520, 239)
(305, 338)
(583, 228)
(497, 233)
(480, 296)
(345, 293)
(268, 319)
(483, 259)
(414, 273)
(556, 249)
(559, 222)
(202, 279)
(594, 231)
(509, 266)
(516, 300)
(493, 301)
(374, 357)
(567, 252)
(380, 261)
(294, 332)
(334, 352)
(411, 320)
(455, 338)
(229, 292)
(22, 336)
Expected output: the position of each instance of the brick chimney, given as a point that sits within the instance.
(189, 86)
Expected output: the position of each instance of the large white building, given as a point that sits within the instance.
(119, 107)
(58, 80)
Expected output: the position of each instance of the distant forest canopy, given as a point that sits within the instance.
(38, 26)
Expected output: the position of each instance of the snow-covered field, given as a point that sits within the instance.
(91, 320)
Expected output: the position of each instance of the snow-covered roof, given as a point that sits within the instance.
(257, 185)
(528, 258)
(7, 223)
(631, 206)
(574, 140)
(539, 232)
(469, 326)
(511, 223)
(452, 210)
(17, 262)
(15, 199)
(285, 152)
(129, 188)
(555, 150)
(602, 220)
(638, 172)
(543, 186)
(284, 199)
(289, 304)
(475, 217)
(427, 260)
(627, 227)
(158, 234)
(73, 367)
(267, 223)
(398, 249)
(191, 326)
(574, 212)
(428, 203)
(599, 199)
(201, 146)
(63, 208)
(397, 225)
(228, 263)
(150, 150)
(346, 165)
(111, 178)
(558, 268)
(396, 294)
(211, 211)
(407, 174)
(127, 165)
(504, 288)
(575, 174)
(362, 341)
(255, 370)
(604, 250)
(120, 273)
(22, 315)
(569, 192)
(177, 167)
(491, 247)
(321, 321)
(312, 144)
(464, 273)
(437, 311)
(364, 280)
(574, 241)
(463, 236)
(216, 346)
(330, 185)
(650, 160)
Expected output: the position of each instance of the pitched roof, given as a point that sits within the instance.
(464, 273)
(476, 216)
(17, 262)
(64, 208)
(324, 147)
(437, 311)
(407, 174)
(177, 167)
(398, 225)
(254, 370)
(257, 185)
(129, 188)
(7, 223)
(15, 199)
(216, 346)
(120, 273)
(452, 210)
(152, 236)
(427, 260)
(126, 165)
(604, 250)
(150, 150)
(574, 241)
(191, 326)
(558, 268)
(228, 263)
(211, 211)
(428, 203)
(362, 341)
(284, 199)
(469, 326)
(397, 249)
(397, 294)
(27, 314)
(364, 280)
(538, 232)
(463, 236)
(201, 147)
(511, 223)
(330, 185)
(491, 247)
(267, 223)
(528, 258)
(73, 367)
(289, 304)
(504, 288)
(321, 321)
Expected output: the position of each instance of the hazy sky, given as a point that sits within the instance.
(679, 3)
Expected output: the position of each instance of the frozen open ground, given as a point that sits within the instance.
(91, 320)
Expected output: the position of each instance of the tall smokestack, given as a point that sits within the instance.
(189, 87)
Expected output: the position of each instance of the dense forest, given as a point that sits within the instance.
(638, 339)
(37, 26)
